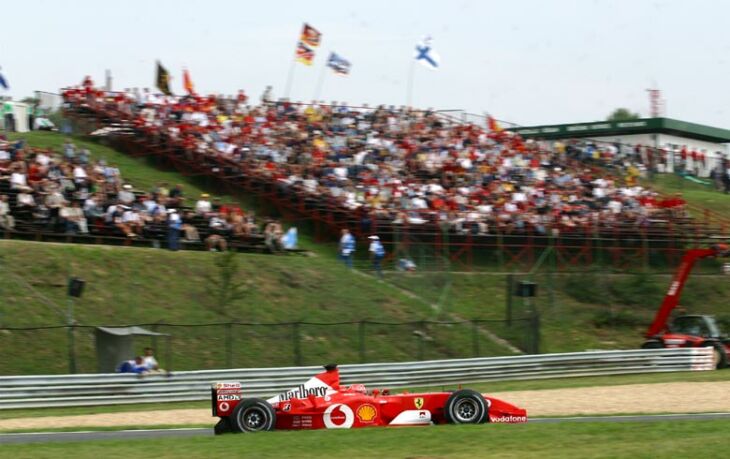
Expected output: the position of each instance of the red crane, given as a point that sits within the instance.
(688, 330)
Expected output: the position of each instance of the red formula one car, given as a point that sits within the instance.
(321, 403)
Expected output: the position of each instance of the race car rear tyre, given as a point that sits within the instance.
(223, 426)
(253, 415)
(466, 407)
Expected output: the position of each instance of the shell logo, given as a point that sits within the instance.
(366, 413)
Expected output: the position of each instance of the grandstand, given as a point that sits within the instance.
(417, 178)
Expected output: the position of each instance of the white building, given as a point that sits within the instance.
(659, 133)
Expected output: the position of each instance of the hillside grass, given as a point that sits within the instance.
(579, 311)
(591, 309)
(565, 440)
(126, 285)
(694, 193)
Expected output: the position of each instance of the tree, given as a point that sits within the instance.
(30, 100)
(224, 286)
(622, 114)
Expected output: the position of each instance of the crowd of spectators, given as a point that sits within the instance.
(398, 164)
(70, 192)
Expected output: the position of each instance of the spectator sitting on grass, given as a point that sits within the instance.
(150, 362)
(136, 365)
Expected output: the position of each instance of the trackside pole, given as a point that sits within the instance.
(289, 79)
(320, 83)
(409, 83)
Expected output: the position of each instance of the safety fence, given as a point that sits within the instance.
(105, 389)
(237, 344)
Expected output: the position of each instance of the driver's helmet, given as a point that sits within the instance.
(360, 388)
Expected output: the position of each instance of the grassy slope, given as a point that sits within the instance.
(676, 439)
(582, 306)
(695, 193)
(134, 285)
(151, 286)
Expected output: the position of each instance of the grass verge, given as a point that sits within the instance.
(582, 440)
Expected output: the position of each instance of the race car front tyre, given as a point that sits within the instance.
(466, 407)
(223, 426)
(253, 415)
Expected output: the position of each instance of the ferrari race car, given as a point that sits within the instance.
(321, 403)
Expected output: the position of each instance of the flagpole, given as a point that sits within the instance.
(320, 82)
(289, 78)
(409, 83)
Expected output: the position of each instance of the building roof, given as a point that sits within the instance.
(639, 126)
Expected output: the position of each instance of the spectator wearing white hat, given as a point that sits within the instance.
(377, 252)
(126, 196)
(203, 206)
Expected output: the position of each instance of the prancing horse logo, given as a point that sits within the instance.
(418, 401)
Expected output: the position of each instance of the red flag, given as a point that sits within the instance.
(188, 83)
(493, 125)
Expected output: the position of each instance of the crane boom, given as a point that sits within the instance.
(671, 299)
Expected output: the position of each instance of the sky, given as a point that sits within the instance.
(528, 62)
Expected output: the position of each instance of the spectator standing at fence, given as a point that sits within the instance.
(6, 220)
(174, 225)
(377, 253)
(8, 116)
(347, 247)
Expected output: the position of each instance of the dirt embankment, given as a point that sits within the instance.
(635, 398)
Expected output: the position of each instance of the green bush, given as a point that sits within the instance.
(586, 288)
(607, 318)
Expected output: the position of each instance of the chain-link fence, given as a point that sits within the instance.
(241, 345)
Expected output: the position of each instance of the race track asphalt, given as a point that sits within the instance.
(42, 437)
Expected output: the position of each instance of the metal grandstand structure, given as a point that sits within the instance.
(620, 245)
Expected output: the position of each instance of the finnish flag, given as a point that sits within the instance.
(426, 55)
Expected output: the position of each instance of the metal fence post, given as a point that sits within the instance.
(475, 338)
(535, 332)
(71, 336)
(296, 344)
(229, 345)
(510, 281)
(154, 338)
(71, 349)
(361, 340)
(421, 340)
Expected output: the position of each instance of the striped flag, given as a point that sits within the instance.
(310, 36)
(340, 65)
(309, 39)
